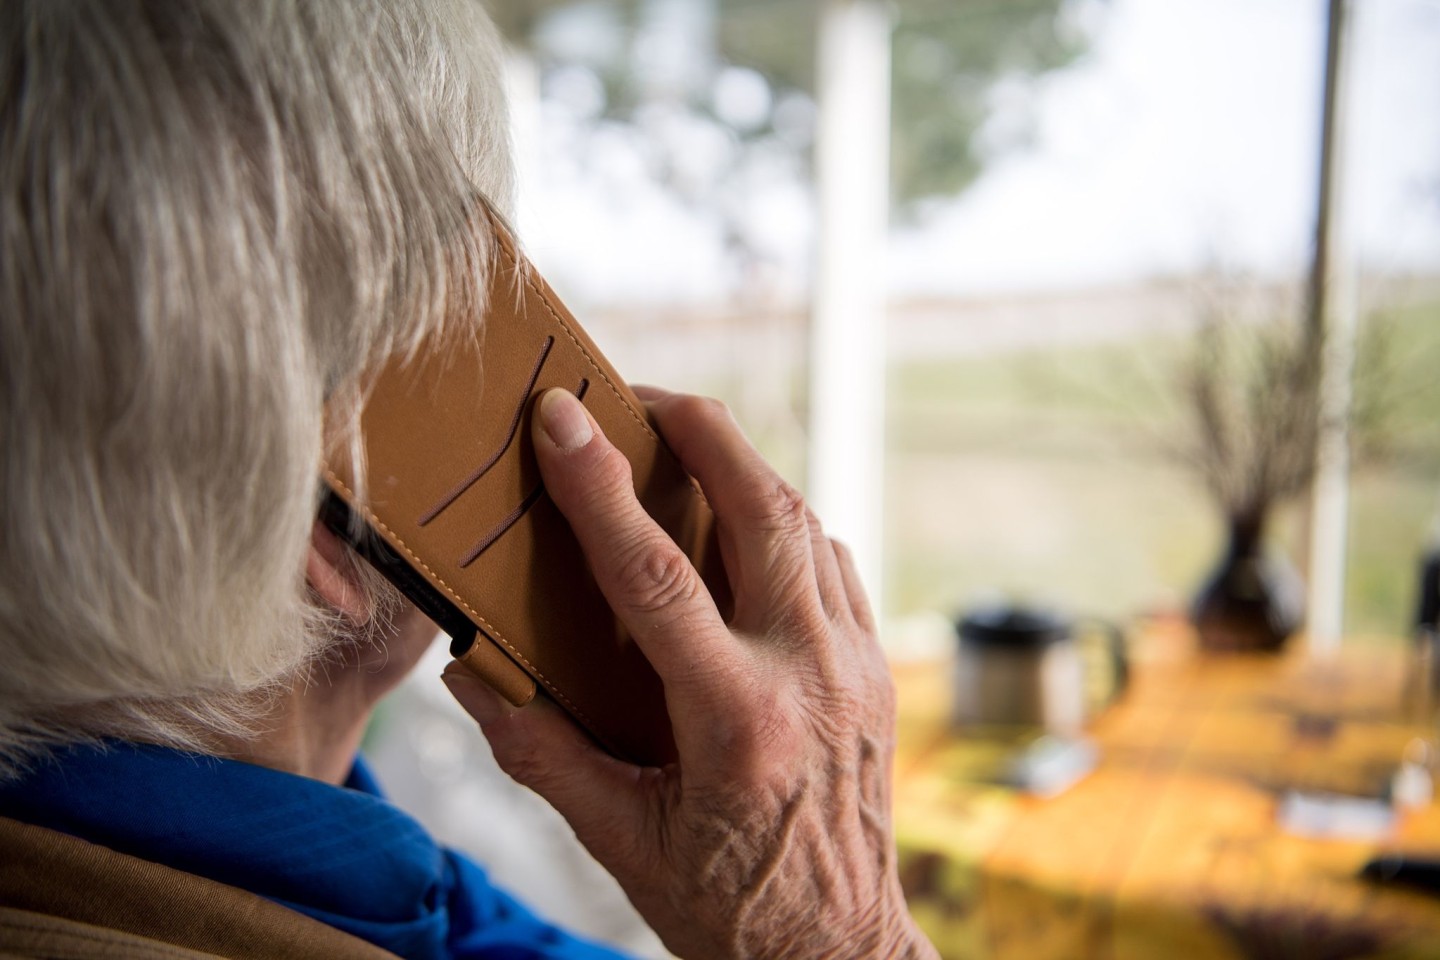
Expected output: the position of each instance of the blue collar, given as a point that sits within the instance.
(342, 855)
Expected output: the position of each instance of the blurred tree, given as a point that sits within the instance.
(950, 57)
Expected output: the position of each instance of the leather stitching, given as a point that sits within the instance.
(435, 577)
(554, 315)
(523, 271)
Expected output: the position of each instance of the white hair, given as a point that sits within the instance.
(213, 216)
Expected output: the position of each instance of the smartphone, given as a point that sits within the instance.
(454, 513)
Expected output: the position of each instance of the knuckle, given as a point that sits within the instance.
(657, 578)
(774, 503)
(860, 680)
(763, 734)
(612, 472)
(877, 688)
(696, 408)
(817, 530)
(523, 759)
(609, 480)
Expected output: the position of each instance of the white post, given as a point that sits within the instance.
(847, 338)
(1334, 302)
(522, 91)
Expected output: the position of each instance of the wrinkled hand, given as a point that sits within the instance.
(771, 836)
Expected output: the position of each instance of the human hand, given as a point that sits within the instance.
(771, 835)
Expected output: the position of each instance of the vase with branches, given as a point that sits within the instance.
(1252, 384)
(1248, 388)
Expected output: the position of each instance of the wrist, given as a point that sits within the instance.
(909, 943)
(895, 937)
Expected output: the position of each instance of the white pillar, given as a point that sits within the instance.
(522, 92)
(847, 348)
(1334, 293)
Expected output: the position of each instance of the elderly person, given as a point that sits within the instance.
(216, 216)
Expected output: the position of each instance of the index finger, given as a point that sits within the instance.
(647, 579)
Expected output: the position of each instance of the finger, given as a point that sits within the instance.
(829, 579)
(762, 519)
(647, 393)
(854, 588)
(650, 394)
(541, 748)
(647, 579)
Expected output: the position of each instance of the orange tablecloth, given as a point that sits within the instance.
(1171, 847)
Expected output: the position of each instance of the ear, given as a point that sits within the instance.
(330, 571)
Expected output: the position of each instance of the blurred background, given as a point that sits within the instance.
(973, 273)
(1072, 187)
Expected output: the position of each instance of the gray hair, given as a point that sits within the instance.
(215, 214)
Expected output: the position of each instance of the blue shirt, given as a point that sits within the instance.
(342, 855)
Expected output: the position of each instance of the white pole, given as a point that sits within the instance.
(1334, 301)
(847, 345)
(522, 91)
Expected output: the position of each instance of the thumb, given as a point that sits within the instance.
(540, 747)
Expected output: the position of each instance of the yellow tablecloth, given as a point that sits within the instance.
(1171, 847)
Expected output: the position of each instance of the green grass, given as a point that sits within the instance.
(1044, 474)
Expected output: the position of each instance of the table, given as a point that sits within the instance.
(1171, 847)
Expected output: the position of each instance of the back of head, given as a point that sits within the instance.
(214, 215)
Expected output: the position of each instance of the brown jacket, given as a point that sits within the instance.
(67, 899)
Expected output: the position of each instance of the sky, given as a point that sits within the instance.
(1191, 134)
(1186, 136)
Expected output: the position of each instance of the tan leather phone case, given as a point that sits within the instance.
(456, 514)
